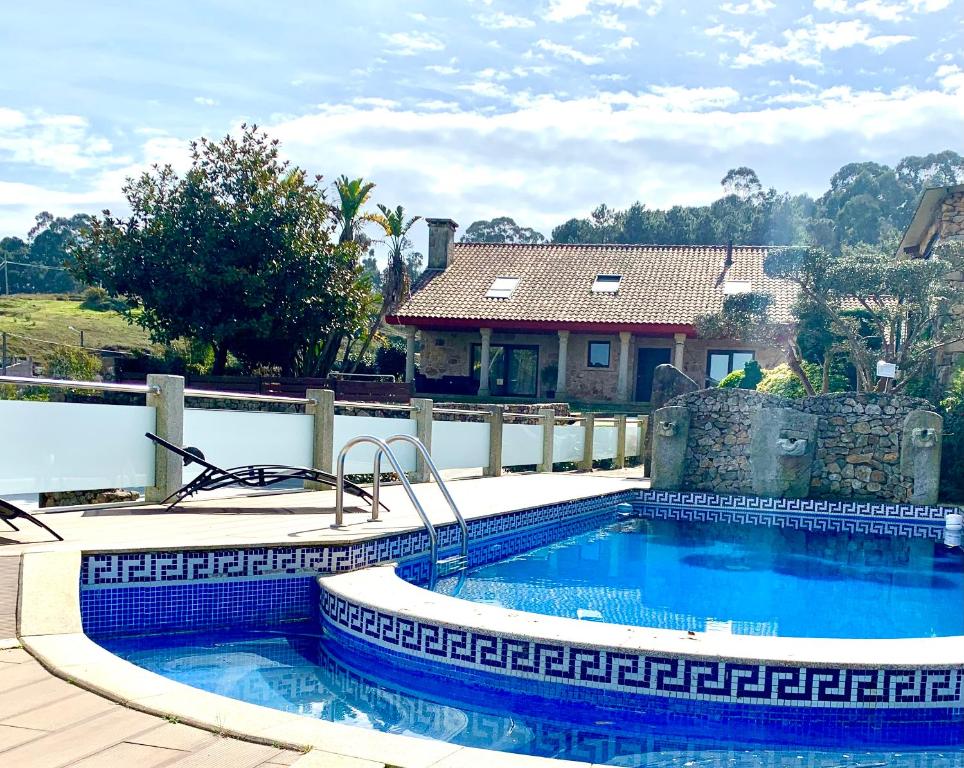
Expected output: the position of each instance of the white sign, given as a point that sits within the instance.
(886, 370)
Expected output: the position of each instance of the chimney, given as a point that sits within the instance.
(441, 235)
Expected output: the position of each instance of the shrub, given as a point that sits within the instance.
(748, 378)
(97, 299)
(733, 380)
(952, 455)
(71, 363)
(390, 359)
(784, 382)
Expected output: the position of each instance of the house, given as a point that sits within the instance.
(939, 217)
(577, 322)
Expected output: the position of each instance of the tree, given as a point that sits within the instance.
(906, 306)
(501, 230)
(743, 183)
(352, 196)
(41, 261)
(942, 169)
(238, 253)
(395, 282)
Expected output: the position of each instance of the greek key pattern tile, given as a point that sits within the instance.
(118, 569)
(731, 503)
(600, 669)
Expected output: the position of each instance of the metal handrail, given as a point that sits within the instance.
(226, 395)
(433, 470)
(106, 386)
(375, 406)
(382, 446)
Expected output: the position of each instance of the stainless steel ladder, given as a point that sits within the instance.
(437, 567)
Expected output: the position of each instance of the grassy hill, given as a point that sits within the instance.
(50, 317)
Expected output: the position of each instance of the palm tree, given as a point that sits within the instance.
(352, 196)
(396, 285)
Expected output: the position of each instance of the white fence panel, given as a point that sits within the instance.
(567, 443)
(457, 445)
(236, 438)
(361, 457)
(632, 439)
(74, 447)
(604, 442)
(521, 444)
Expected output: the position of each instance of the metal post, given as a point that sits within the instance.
(547, 417)
(496, 422)
(168, 401)
(323, 432)
(642, 447)
(423, 431)
(620, 441)
(4, 353)
(589, 423)
(81, 339)
(6, 277)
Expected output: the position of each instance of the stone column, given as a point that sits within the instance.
(670, 433)
(410, 354)
(563, 363)
(679, 339)
(589, 423)
(620, 441)
(920, 454)
(423, 431)
(323, 433)
(622, 380)
(496, 422)
(166, 396)
(547, 418)
(484, 367)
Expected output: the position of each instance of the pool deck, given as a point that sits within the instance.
(48, 719)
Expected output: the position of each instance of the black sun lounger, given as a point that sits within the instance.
(251, 476)
(9, 511)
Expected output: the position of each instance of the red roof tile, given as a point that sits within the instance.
(661, 285)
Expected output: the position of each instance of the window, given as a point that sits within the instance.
(598, 354)
(735, 287)
(721, 363)
(502, 288)
(606, 283)
(513, 368)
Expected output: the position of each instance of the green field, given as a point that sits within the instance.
(49, 318)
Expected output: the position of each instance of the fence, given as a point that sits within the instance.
(47, 446)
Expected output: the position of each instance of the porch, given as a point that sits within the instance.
(564, 364)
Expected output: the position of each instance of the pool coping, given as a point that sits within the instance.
(50, 629)
(379, 587)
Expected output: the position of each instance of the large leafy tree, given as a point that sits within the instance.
(40, 263)
(501, 230)
(238, 252)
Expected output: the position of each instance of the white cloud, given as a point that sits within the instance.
(608, 20)
(60, 142)
(502, 20)
(437, 105)
(611, 77)
(375, 102)
(412, 43)
(420, 17)
(205, 101)
(486, 89)
(623, 44)
(742, 37)
(442, 69)
(951, 78)
(754, 7)
(564, 10)
(561, 51)
(896, 10)
(806, 44)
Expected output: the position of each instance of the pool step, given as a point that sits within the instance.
(453, 564)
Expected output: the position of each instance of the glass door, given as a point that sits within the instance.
(523, 371)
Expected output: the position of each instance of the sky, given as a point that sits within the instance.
(471, 109)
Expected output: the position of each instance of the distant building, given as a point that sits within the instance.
(579, 322)
(939, 217)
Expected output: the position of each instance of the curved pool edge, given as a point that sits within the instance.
(50, 629)
(380, 588)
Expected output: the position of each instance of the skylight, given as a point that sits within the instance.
(606, 284)
(734, 287)
(502, 288)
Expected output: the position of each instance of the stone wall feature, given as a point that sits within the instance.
(952, 216)
(671, 426)
(669, 382)
(920, 454)
(782, 444)
(86, 498)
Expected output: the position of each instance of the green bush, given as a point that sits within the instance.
(97, 299)
(733, 380)
(72, 363)
(13, 392)
(784, 382)
(952, 454)
(752, 375)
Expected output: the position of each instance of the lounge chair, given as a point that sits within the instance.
(251, 476)
(10, 511)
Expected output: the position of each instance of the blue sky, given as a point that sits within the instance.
(477, 108)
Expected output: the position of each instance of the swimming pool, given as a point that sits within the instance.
(711, 576)
(700, 629)
(296, 670)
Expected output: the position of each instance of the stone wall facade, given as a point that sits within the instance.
(857, 452)
(86, 498)
(952, 216)
(449, 353)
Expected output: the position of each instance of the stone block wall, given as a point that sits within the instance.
(952, 216)
(857, 452)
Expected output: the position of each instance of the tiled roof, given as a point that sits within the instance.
(661, 285)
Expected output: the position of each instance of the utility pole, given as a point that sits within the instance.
(6, 278)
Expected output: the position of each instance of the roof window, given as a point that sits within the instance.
(734, 287)
(502, 288)
(606, 284)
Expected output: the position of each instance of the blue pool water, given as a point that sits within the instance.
(742, 579)
(296, 671)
